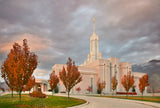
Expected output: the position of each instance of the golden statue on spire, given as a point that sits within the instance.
(94, 20)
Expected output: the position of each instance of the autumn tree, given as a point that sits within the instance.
(18, 67)
(53, 81)
(127, 82)
(143, 82)
(30, 84)
(100, 86)
(114, 83)
(70, 76)
(78, 89)
(89, 89)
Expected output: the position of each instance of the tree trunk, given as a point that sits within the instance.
(142, 94)
(52, 92)
(113, 92)
(29, 91)
(12, 92)
(127, 93)
(68, 94)
(20, 97)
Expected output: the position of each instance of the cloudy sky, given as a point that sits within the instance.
(58, 29)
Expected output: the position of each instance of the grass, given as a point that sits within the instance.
(29, 102)
(140, 98)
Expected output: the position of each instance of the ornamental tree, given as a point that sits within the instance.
(114, 83)
(53, 81)
(127, 82)
(78, 89)
(89, 89)
(30, 84)
(100, 86)
(143, 82)
(70, 76)
(18, 67)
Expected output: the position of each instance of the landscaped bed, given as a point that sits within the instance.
(31, 102)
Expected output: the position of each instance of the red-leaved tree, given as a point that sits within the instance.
(18, 67)
(53, 81)
(127, 82)
(70, 76)
(100, 86)
(78, 89)
(89, 89)
(143, 82)
(30, 84)
(114, 83)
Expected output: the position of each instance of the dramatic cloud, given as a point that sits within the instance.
(58, 29)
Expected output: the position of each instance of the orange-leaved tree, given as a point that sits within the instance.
(19, 66)
(127, 82)
(53, 81)
(114, 83)
(70, 76)
(143, 82)
(100, 86)
(30, 84)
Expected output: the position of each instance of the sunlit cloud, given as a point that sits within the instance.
(35, 42)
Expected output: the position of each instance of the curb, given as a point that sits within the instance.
(147, 103)
(152, 104)
(79, 106)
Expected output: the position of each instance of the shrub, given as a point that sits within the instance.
(124, 93)
(99, 92)
(38, 94)
(50, 90)
(56, 90)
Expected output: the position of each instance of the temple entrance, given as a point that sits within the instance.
(39, 87)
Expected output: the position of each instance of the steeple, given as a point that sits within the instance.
(94, 47)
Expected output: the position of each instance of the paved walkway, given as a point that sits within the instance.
(102, 102)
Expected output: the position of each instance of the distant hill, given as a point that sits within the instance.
(151, 67)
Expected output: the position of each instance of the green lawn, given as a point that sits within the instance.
(30, 102)
(144, 98)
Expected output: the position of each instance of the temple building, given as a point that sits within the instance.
(41, 84)
(96, 68)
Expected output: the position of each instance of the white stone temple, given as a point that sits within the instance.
(95, 68)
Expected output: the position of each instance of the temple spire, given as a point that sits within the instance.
(94, 25)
